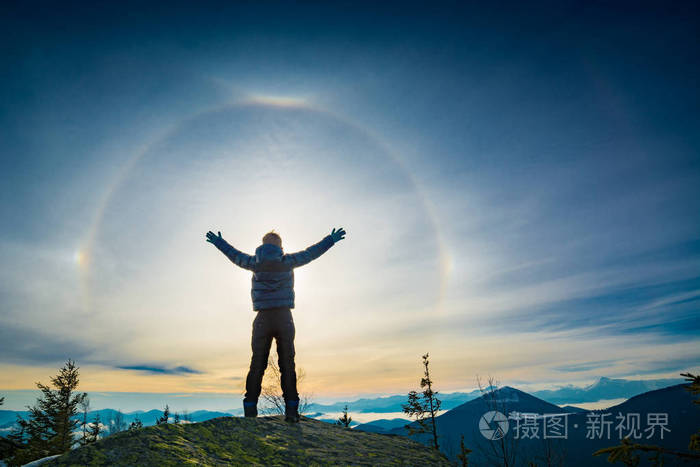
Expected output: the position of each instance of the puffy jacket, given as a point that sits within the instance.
(273, 271)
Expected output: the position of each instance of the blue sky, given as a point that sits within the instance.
(520, 186)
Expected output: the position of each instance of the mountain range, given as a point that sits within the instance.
(602, 389)
(8, 418)
(524, 439)
(520, 444)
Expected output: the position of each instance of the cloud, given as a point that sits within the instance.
(24, 345)
(161, 370)
(587, 366)
(691, 363)
(559, 220)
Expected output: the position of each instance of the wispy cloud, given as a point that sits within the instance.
(23, 345)
(178, 370)
(587, 366)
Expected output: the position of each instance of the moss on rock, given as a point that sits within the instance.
(251, 441)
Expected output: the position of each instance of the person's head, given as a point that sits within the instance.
(273, 238)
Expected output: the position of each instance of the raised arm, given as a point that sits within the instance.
(237, 257)
(314, 251)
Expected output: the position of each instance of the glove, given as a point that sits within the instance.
(338, 235)
(213, 239)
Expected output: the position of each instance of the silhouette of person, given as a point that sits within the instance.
(273, 298)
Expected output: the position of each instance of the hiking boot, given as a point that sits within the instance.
(291, 411)
(250, 409)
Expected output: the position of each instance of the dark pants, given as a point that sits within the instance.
(277, 323)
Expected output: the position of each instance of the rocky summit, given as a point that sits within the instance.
(251, 441)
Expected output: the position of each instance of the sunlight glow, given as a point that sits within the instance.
(277, 101)
(80, 257)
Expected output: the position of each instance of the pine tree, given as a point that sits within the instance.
(345, 419)
(424, 406)
(463, 453)
(95, 429)
(51, 422)
(136, 424)
(118, 424)
(66, 407)
(176, 418)
(164, 418)
(84, 408)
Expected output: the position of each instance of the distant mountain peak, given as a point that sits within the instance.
(602, 381)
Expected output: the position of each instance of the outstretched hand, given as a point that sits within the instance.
(212, 238)
(338, 235)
